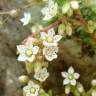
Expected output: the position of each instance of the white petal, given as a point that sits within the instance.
(43, 35)
(47, 17)
(21, 48)
(29, 46)
(45, 11)
(53, 44)
(76, 75)
(57, 38)
(22, 57)
(54, 56)
(49, 58)
(26, 89)
(64, 74)
(35, 49)
(73, 82)
(71, 70)
(32, 58)
(66, 81)
(51, 32)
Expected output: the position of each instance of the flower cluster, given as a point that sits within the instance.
(52, 8)
(42, 47)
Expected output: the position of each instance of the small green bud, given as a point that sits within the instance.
(61, 29)
(65, 8)
(23, 79)
(70, 12)
(91, 26)
(29, 67)
(68, 29)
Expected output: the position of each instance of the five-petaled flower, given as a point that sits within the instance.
(42, 75)
(27, 52)
(50, 10)
(70, 77)
(32, 89)
(26, 19)
(50, 39)
(50, 52)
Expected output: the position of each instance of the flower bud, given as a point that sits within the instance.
(80, 88)
(23, 79)
(74, 4)
(13, 13)
(61, 29)
(93, 82)
(67, 89)
(94, 93)
(68, 29)
(65, 8)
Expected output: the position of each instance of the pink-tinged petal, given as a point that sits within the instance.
(22, 57)
(45, 43)
(35, 49)
(57, 38)
(71, 70)
(66, 81)
(31, 59)
(76, 75)
(64, 74)
(73, 82)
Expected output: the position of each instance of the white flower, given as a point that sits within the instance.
(74, 4)
(70, 77)
(41, 75)
(31, 89)
(50, 39)
(50, 10)
(26, 19)
(50, 52)
(27, 52)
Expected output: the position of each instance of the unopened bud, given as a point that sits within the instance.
(61, 29)
(94, 93)
(80, 88)
(93, 82)
(74, 4)
(23, 79)
(67, 89)
(69, 29)
(13, 13)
